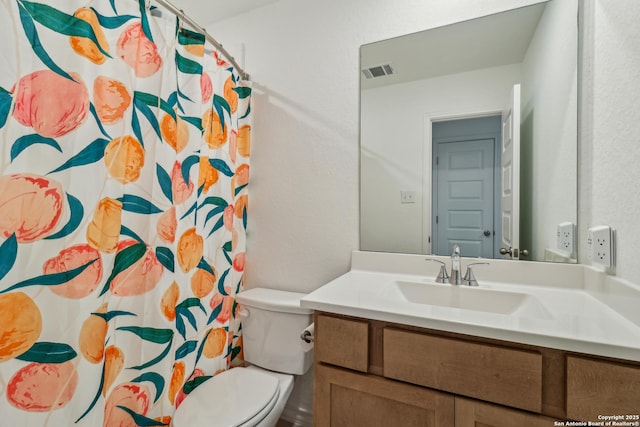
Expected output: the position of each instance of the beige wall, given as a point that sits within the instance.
(610, 149)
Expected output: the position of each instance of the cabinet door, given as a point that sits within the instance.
(601, 388)
(344, 398)
(473, 413)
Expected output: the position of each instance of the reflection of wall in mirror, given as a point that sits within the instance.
(549, 129)
(395, 123)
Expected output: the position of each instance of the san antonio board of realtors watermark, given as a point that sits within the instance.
(627, 420)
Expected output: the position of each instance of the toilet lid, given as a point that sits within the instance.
(229, 399)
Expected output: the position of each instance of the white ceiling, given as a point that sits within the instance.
(490, 41)
(205, 12)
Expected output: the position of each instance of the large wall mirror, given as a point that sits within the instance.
(469, 136)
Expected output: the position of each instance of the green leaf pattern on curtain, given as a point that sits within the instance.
(123, 204)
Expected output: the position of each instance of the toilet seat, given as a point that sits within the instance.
(234, 398)
(263, 412)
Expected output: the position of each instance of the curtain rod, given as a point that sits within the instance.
(183, 16)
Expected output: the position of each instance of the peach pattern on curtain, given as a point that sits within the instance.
(124, 167)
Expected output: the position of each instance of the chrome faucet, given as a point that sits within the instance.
(455, 278)
(443, 276)
(469, 279)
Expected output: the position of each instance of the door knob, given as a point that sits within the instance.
(514, 252)
(487, 233)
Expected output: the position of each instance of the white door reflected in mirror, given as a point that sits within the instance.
(510, 212)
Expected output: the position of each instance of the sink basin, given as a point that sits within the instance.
(464, 297)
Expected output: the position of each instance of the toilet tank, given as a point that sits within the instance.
(272, 321)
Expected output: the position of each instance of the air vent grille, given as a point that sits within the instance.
(377, 71)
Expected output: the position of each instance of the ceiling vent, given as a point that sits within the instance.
(377, 71)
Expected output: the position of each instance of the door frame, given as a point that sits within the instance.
(427, 173)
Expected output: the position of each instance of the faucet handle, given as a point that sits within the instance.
(443, 276)
(469, 279)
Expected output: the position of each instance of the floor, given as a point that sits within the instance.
(283, 423)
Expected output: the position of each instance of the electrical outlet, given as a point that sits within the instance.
(566, 236)
(601, 244)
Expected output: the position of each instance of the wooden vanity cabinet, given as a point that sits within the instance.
(371, 373)
(354, 398)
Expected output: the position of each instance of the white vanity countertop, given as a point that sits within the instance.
(585, 312)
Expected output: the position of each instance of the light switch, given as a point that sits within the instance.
(407, 196)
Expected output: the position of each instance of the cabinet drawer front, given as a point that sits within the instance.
(500, 375)
(600, 388)
(342, 342)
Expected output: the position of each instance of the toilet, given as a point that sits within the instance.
(255, 396)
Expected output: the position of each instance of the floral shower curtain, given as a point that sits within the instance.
(123, 206)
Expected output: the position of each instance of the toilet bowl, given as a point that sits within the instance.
(255, 396)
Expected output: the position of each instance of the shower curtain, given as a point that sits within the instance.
(124, 165)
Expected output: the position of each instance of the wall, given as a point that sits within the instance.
(609, 153)
(549, 129)
(303, 58)
(394, 121)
